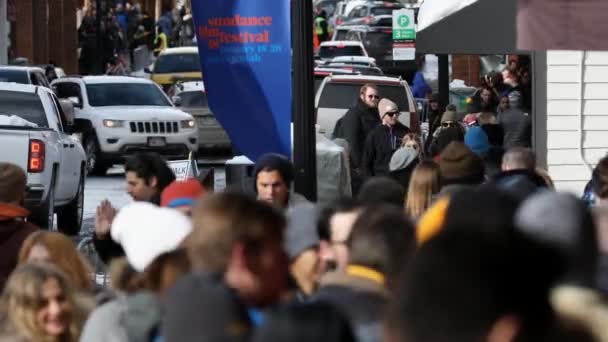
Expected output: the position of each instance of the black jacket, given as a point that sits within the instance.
(517, 127)
(354, 127)
(107, 249)
(380, 144)
(12, 234)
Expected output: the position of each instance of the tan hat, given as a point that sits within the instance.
(387, 106)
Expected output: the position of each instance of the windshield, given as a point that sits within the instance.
(24, 105)
(172, 63)
(345, 95)
(384, 10)
(379, 38)
(194, 99)
(329, 52)
(125, 94)
(16, 76)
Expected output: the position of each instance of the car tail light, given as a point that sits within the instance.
(339, 21)
(368, 19)
(35, 160)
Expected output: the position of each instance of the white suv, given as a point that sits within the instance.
(118, 116)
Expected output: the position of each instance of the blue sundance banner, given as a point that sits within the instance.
(245, 53)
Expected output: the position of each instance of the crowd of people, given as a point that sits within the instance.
(124, 27)
(450, 256)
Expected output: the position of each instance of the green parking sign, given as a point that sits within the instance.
(404, 35)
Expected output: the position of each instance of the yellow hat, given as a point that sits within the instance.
(431, 223)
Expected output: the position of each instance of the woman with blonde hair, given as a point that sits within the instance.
(413, 140)
(61, 251)
(424, 184)
(38, 305)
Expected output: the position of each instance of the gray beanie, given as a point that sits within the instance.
(402, 158)
(301, 233)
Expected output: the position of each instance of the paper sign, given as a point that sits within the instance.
(183, 169)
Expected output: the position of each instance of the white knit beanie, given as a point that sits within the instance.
(146, 231)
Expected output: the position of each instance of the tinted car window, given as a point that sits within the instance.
(65, 90)
(345, 95)
(125, 94)
(16, 76)
(378, 38)
(171, 63)
(335, 51)
(24, 105)
(194, 99)
(341, 34)
(384, 10)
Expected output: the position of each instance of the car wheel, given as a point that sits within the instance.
(94, 164)
(44, 216)
(69, 218)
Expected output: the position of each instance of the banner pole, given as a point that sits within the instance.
(304, 134)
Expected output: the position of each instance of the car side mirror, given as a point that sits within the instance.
(67, 107)
(177, 101)
(75, 101)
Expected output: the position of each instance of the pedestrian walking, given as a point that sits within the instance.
(355, 126)
(362, 290)
(402, 164)
(424, 186)
(14, 228)
(147, 176)
(182, 195)
(302, 247)
(383, 140)
(38, 304)
(321, 27)
(273, 174)
(335, 225)
(519, 176)
(516, 124)
(459, 169)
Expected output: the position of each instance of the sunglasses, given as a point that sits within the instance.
(391, 114)
(373, 97)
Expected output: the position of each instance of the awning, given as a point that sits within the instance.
(467, 27)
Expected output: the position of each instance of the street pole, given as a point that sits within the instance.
(304, 135)
(444, 80)
(4, 32)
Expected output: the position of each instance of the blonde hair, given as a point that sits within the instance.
(63, 254)
(412, 137)
(423, 185)
(22, 299)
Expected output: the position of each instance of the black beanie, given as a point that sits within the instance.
(274, 162)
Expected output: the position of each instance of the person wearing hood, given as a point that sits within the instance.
(135, 315)
(383, 140)
(516, 124)
(519, 177)
(14, 228)
(459, 169)
(302, 247)
(477, 140)
(273, 175)
(402, 165)
(355, 126)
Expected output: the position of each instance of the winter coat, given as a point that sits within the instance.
(517, 128)
(133, 318)
(354, 127)
(379, 147)
(492, 161)
(12, 234)
(419, 86)
(362, 300)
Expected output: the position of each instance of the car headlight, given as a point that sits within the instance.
(188, 124)
(113, 123)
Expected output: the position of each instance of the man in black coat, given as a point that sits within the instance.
(383, 140)
(355, 126)
(516, 124)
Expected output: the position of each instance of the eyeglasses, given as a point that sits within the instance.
(373, 97)
(391, 114)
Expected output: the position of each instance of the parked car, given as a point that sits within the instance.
(176, 64)
(23, 75)
(365, 12)
(332, 49)
(338, 93)
(119, 116)
(36, 135)
(192, 98)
